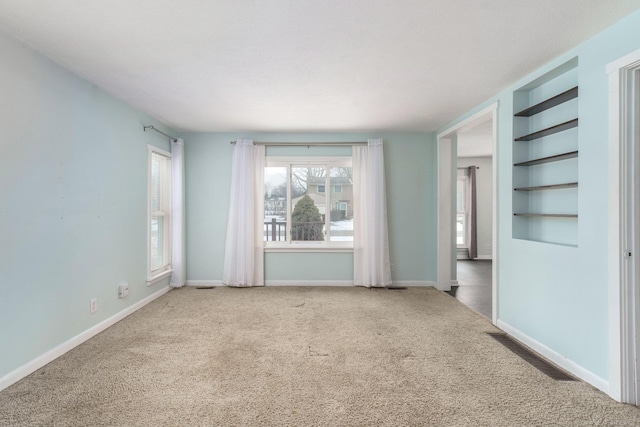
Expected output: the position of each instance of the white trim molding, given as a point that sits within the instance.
(446, 197)
(164, 211)
(277, 282)
(204, 283)
(155, 279)
(414, 284)
(396, 283)
(446, 174)
(555, 357)
(40, 361)
(624, 85)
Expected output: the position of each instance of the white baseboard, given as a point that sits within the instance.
(40, 361)
(556, 357)
(204, 283)
(414, 283)
(276, 282)
(484, 257)
(454, 282)
(396, 283)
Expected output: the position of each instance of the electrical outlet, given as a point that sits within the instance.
(93, 305)
(123, 290)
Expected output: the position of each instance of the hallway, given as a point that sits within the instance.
(474, 285)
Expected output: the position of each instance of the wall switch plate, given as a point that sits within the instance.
(93, 305)
(123, 290)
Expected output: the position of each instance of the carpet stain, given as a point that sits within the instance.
(316, 353)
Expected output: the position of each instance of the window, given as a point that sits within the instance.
(337, 188)
(461, 211)
(300, 209)
(342, 207)
(159, 202)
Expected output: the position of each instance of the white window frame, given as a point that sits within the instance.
(166, 269)
(306, 246)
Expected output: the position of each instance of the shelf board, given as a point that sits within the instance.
(548, 187)
(557, 157)
(549, 131)
(549, 103)
(547, 215)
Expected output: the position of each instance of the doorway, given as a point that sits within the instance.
(474, 206)
(470, 143)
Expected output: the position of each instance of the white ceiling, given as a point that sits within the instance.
(302, 65)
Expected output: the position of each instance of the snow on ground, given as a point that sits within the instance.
(346, 225)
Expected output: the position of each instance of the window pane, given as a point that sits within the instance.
(157, 242)
(275, 203)
(341, 204)
(155, 183)
(460, 229)
(308, 203)
(159, 172)
(460, 195)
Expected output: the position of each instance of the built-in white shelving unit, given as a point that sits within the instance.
(545, 157)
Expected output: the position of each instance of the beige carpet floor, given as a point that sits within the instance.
(302, 357)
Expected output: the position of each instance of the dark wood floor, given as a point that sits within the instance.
(474, 285)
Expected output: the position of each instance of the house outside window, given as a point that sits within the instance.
(301, 209)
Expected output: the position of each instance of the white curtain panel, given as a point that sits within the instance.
(244, 249)
(372, 267)
(179, 274)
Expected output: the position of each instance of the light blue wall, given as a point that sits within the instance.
(555, 294)
(73, 164)
(410, 163)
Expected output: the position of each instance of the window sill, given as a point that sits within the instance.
(155, 279)
(301, 247)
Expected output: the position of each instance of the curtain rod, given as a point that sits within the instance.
(467, 167)
(306, 144)
(159, 131)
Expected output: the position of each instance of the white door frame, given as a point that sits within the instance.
(446, 143)
(624, 251)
